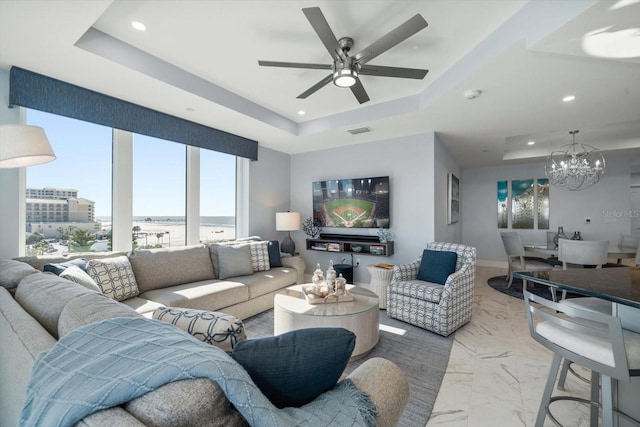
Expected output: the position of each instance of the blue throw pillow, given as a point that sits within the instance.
(57, 269)
(294, 368)
(274, 254)
(436, 266)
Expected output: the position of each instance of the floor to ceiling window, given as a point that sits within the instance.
(68, 201)
(217, 196)
(159, 192)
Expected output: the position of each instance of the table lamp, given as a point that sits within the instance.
(288, 221)
(22, 145)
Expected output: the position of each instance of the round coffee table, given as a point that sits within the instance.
(360, 316)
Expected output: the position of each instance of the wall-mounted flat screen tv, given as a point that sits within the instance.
(352, 203)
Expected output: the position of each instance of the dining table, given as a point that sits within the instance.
(620, 286)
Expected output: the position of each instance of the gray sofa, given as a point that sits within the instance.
(36, 308)
(187, 277)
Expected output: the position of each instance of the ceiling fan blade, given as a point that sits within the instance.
(295, 65)
(321, 27)
(386, 42)
(359, 92)
(316, 87)
(405, 73)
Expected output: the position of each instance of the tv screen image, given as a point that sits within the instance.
(352, 203)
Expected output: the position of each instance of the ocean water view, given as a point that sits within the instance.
(178, 220)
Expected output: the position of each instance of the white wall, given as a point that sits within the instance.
(409, 163)
(607, 203)
(269, 192)
(11, 209)
(445, 163)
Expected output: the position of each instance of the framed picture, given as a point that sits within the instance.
(453, 211)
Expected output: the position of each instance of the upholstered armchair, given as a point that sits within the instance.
(439, 308)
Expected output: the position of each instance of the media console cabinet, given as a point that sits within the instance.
(369, 245)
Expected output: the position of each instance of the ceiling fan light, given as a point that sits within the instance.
(345, 77)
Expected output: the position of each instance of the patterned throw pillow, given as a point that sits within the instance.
(114, 276)
(260, 256)
(219, 329)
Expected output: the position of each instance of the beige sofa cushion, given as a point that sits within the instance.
(44, 295)
(90, 308)
(160, 268)
(12, 272)
(142, 306)
(264, 282)
(205, 295)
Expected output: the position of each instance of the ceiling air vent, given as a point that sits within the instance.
(359, 130)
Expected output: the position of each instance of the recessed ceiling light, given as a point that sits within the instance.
(531, 143)
(568, 98)
(138, 25)
(302, 112)
(472, 93)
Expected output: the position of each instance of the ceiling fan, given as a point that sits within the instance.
(347, 69)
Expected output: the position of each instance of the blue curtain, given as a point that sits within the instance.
(32, 90)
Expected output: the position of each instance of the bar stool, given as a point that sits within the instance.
(593, 340)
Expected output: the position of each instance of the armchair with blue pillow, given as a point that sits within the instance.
(435, 292)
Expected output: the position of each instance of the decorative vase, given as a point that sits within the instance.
(317, 279)
(559, 235)
(330, 278)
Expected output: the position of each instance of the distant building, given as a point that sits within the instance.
(52, 193)
(49, 209)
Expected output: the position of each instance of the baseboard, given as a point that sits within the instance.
(489, 263)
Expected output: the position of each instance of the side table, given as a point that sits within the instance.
(380, 279)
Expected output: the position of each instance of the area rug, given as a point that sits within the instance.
(499, 283)
(422, 356)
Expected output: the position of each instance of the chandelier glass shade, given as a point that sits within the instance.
(574, 166)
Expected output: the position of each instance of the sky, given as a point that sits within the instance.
(83, 162)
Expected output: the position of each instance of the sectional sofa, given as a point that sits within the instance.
(38, 308)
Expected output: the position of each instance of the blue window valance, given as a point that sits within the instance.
(33, 90)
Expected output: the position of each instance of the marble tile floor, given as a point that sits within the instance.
(496, 371)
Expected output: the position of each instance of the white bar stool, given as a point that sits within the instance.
(593, 340)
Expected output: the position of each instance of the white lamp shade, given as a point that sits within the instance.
(22, 145)
(288, 221)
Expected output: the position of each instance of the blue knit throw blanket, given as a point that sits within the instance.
(108, 363)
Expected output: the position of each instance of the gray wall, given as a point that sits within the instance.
(605, 203)
(11, 231)
(269, 192)
(444, 164)
(409, 163)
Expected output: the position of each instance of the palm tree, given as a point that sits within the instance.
(80, 239)
(160, 237)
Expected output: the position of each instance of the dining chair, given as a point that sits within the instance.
(516, 257)
(593, 340)
(628, 241)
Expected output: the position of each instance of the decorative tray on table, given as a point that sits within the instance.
(313, 298)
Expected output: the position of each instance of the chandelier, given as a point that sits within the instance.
(574, 166)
